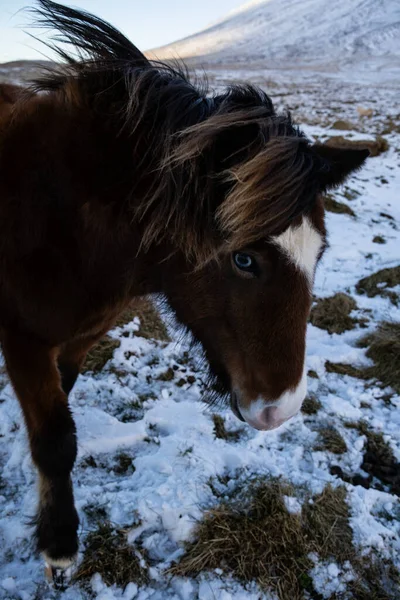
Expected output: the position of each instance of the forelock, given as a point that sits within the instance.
(268, 191)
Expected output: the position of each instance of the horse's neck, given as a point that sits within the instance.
(9, 94)
(89, 172)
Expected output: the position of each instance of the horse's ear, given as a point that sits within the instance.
(336, 164)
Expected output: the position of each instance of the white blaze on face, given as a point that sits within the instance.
(301, 245)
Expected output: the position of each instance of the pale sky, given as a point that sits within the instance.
(148, 23)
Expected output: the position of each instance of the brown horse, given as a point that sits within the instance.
(120, 178)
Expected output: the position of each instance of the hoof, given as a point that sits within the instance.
(59, 571)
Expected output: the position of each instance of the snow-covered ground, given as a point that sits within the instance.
(162, 424)
(344, 34)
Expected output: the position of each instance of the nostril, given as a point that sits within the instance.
(271, 417)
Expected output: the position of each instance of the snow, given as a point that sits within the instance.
(170, 437)
(329, 579)
(361, 34)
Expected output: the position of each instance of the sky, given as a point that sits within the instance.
(148, 23)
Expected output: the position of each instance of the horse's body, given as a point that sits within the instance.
(118, 178)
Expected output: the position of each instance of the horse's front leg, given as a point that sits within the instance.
(72, 356)
(32, 366)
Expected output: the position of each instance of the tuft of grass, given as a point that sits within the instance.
(378, 239)
(343, 125)
(151, 324)
(123, 464)
(255, 538)
(376, 146)
(313, 374)
(345, 369)
(100, 354)
(221, 432)
(357, 479)
(167, 375)
(391, 126)
(376, 579)
(332, 441)
(311, 405)
(378, 283)
(88, 461)
(107, 552)
(332, 205)
(326, 521)
(384, 349)
(95, 512)
(333, 313)
(379, 460)
(350, 194)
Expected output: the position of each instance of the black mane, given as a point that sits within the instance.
(93, 38)
(106, 62)
(201, 147)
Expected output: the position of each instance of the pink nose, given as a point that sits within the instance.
(269, 418)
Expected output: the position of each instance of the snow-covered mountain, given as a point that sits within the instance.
(296, 33)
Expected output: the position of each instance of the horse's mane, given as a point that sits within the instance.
(227, 170)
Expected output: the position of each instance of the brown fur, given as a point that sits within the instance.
(119, 179)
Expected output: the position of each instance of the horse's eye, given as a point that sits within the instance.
(245, 262)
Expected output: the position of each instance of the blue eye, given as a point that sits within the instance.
(245, 262)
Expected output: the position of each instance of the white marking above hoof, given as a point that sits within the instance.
(59, 563)
(58, 571)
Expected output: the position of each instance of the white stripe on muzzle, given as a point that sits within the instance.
(263, 414)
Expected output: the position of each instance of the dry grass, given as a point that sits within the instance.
(384, 349)
(311, 405)
(331, 441)
(221, 432)
(167, 375)
(326, 524)
(345, 369)
(376, 579)
(254, 538)
(342, 125)
(151, 327)
(333, 313)
(313, 374)
(123, 464)
(379, 460)
(350, 194)
(332, 205)
(107, 552)
(100, 354)
(151, 324)
(376, 146)
(391, 126)
(378, 239)
(372, 285)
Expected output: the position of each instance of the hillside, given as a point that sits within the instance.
(22, 70)
(307, 33)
